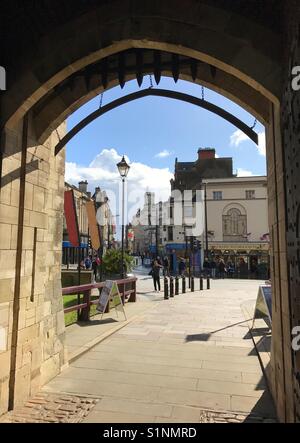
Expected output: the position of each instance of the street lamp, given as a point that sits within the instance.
(205, 211)
(123, 168)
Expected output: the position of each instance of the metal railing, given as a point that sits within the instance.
(127, 289)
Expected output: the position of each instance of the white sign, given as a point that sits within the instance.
(263, 307)
(110, 294)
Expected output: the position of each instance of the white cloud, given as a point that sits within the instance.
(262, 143)
(103, 172)
(163, 154)
(239, 137)
(244, 173)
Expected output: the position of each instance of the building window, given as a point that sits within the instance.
(171, 212)
(170, 233)
(217, 195)
(250, 195)
(188, 211)
(234, 225)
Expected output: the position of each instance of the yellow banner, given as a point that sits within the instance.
(93, 226)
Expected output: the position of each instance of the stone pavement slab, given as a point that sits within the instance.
(176, 360)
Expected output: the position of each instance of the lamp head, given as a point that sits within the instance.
(123, 167)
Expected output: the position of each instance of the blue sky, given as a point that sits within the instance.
(143, 128)
(152, 132)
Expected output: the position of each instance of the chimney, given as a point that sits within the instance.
(206, 153)
(83, 186)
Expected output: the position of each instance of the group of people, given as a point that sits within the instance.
(218, 268)
(214, 268)
(91, 263)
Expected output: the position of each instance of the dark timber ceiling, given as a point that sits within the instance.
(24, 22)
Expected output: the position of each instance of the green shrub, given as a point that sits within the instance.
(111, 262)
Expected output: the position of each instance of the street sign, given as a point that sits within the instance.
(110, 294)
(263, 307)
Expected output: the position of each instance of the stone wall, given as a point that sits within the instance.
(290, 118)
(31, 311)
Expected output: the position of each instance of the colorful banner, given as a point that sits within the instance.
(71, 218)
(93, 226)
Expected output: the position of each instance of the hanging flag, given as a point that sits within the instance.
(93, 226)
(247, 235)
(71, 218)
(265, 237)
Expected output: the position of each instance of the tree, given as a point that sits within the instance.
(112, 260)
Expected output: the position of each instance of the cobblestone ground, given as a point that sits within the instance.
(51, 408)
(58, 408)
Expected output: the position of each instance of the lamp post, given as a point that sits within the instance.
(123, 168)
(206, 232)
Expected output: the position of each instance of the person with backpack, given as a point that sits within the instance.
(88, 262)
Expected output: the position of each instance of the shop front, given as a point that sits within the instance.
(245, 260)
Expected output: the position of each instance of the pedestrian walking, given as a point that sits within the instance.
(95, 267)
(222, 268)
(206, 267)
(182, 267)
(156, 266)
(213, 266)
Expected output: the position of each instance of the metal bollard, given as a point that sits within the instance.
(183, 284)
(176, 285)
(171, 287)
(192, 284)
(207, 283)
(166, 289)
(201, 283)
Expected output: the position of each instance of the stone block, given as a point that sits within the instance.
(29, 333)
(38, 198)
(5, 235)
(15, 194)
(7, 264)
(4, 396)
(4, 314)
(47, 308)
(14, 237)
(28, 202)
(50, 368)
(28, 238)
(4, 364)
(22, 386)
(5, 194)
(38, 219)
(7, 289)
(8, 214)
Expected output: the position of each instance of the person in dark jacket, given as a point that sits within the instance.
(222, 268)
(213, 266)
(206, 267)
(156, 266)
(181, 267)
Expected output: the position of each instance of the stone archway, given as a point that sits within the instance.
(241, 48)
